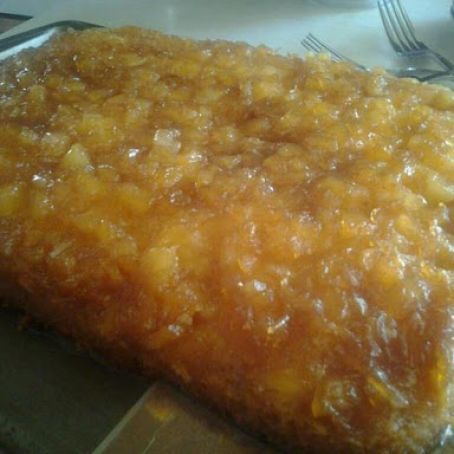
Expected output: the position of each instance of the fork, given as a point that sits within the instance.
(313, 44)
(401, 34)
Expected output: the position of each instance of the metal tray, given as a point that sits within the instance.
(38, 36)
(54, 398)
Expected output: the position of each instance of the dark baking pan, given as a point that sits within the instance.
(37, 36)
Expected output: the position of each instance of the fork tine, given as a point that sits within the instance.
(392, 18)
(324, 48)
(336, 56)
(309, 45)
(405, 25)
(406, 18)
(388, 28)
(311, 42)
(314, 42)
(408, 23)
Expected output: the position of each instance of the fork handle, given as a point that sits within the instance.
(444, 61)
(437, 75)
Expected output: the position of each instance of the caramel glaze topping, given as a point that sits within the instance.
(272, 233)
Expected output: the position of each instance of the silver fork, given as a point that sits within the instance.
(401, 34)
(313, 44)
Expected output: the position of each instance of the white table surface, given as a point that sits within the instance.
(27, 7)
(280, 24)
